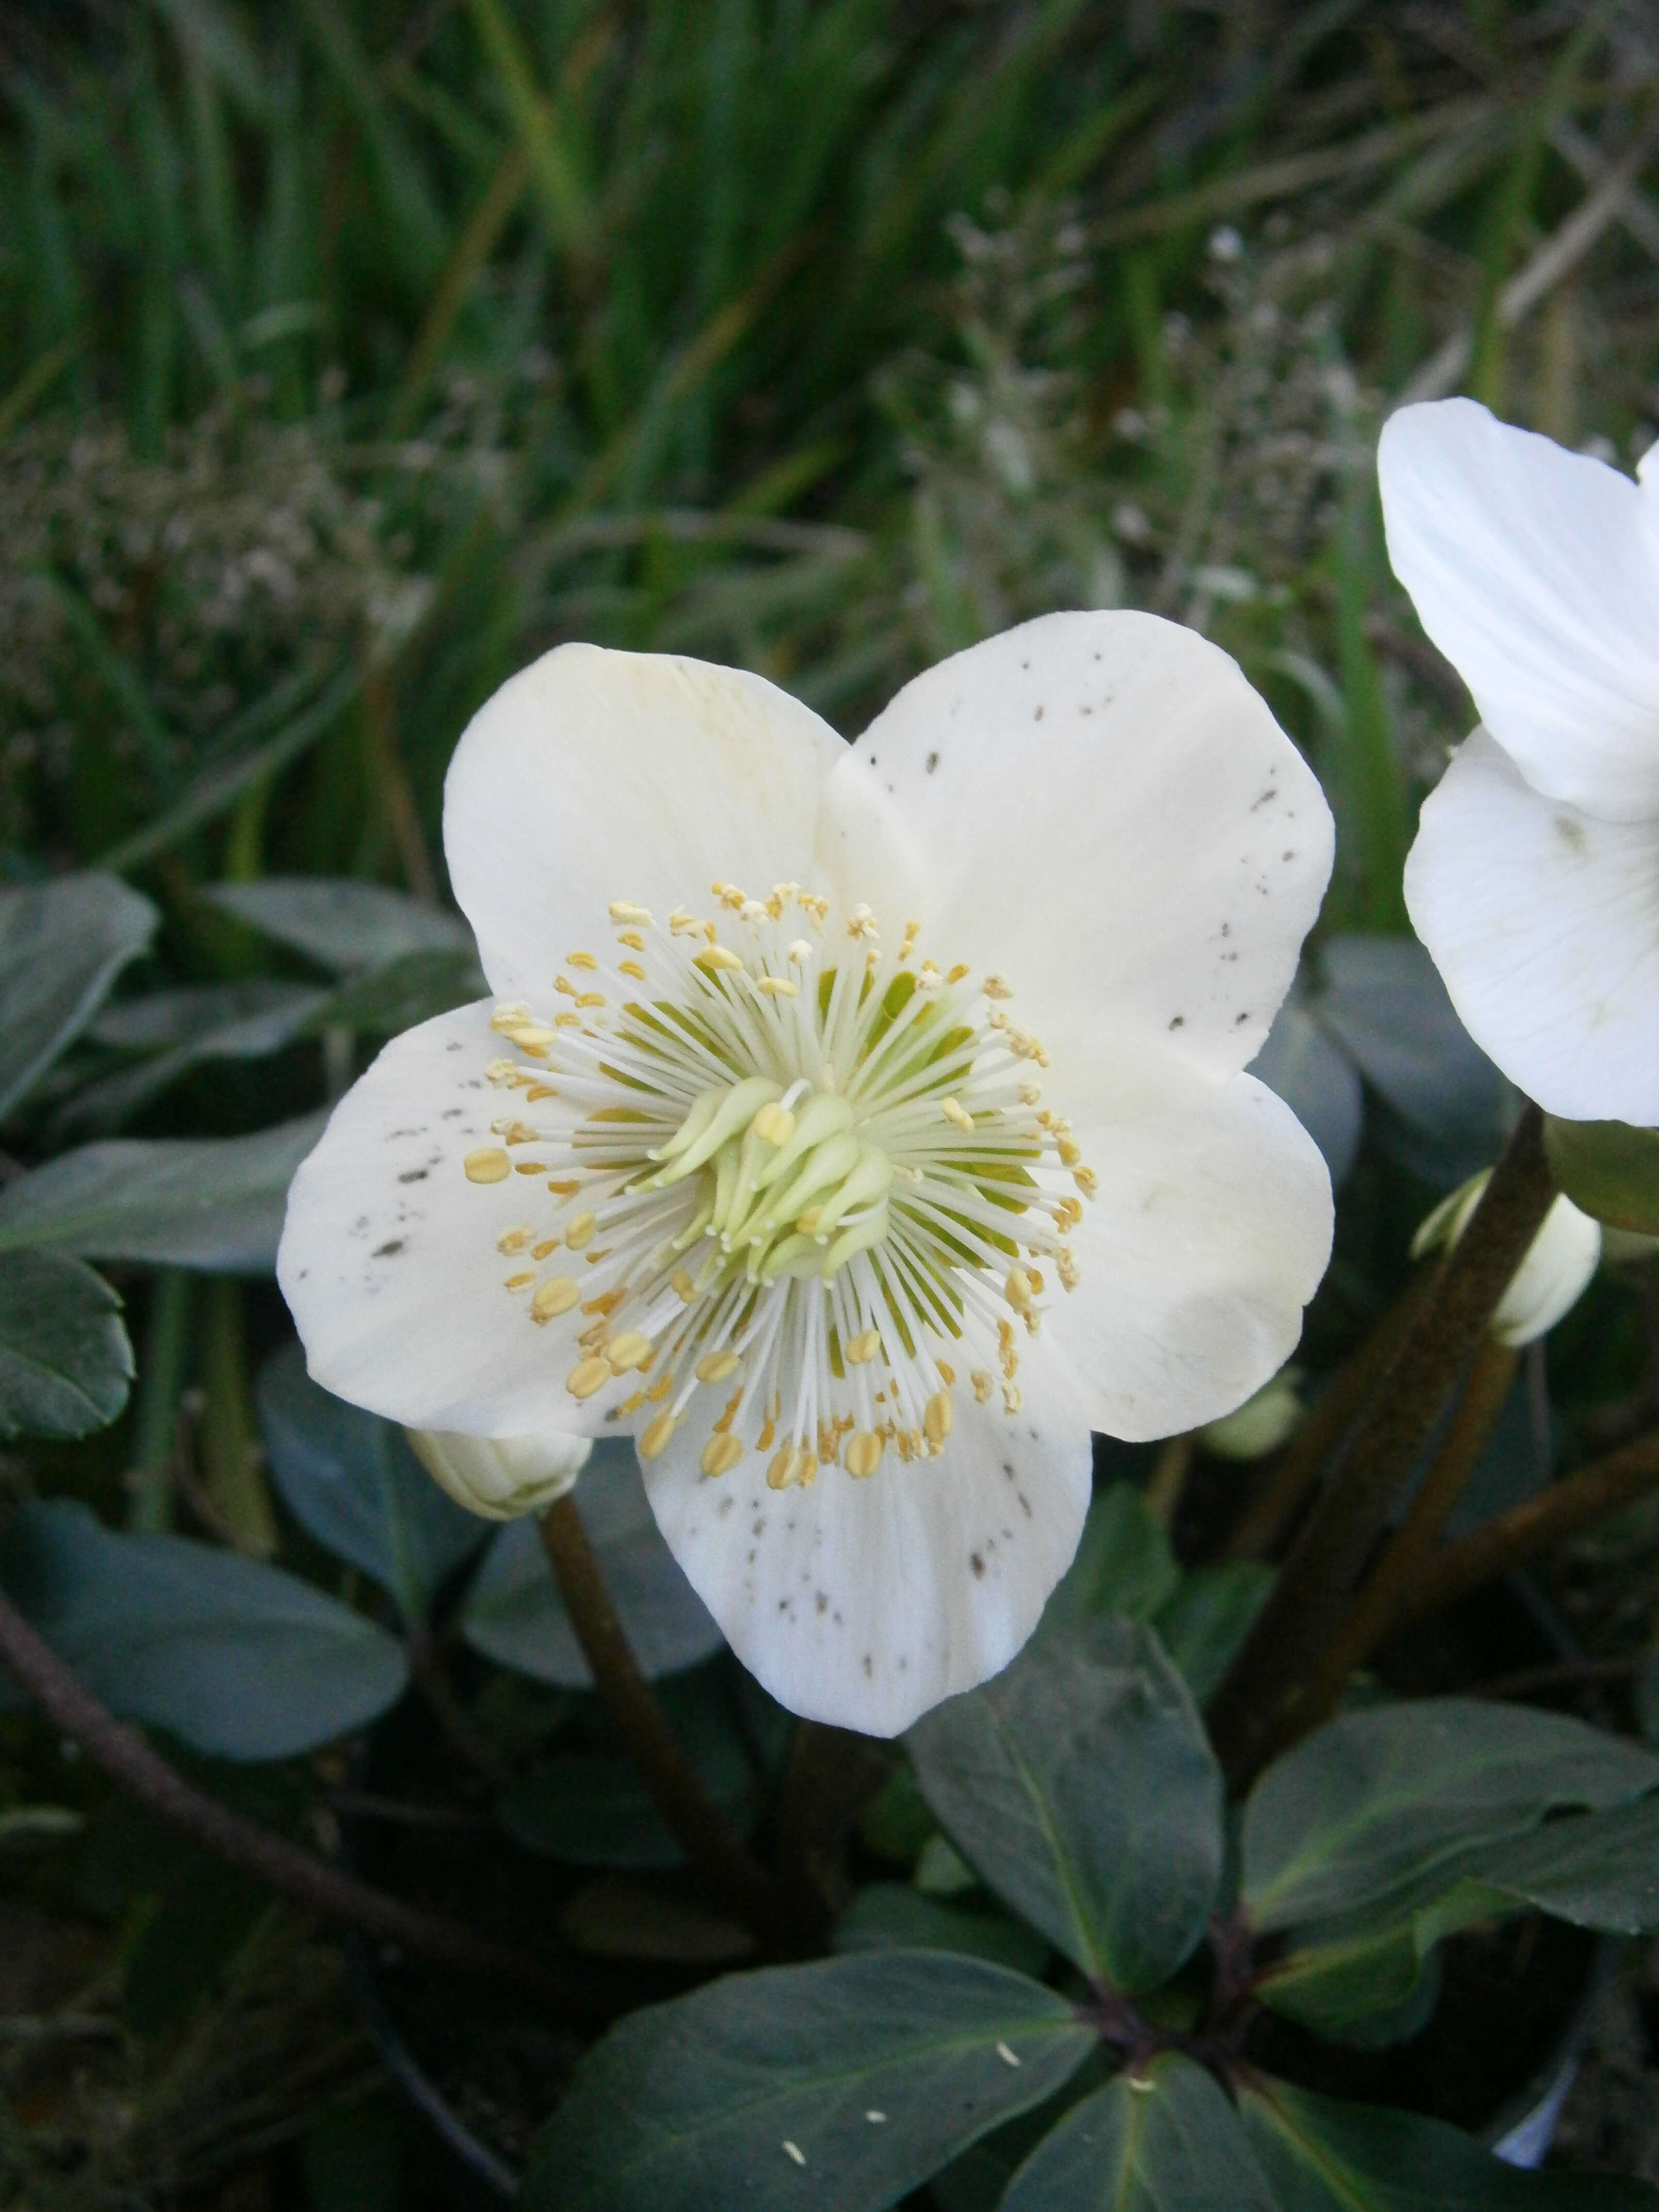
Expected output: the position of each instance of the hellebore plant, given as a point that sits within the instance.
(856, 1126)
(1535, 877)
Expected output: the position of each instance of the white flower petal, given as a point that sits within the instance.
(1536, 572)
(389, 1261)
(593, 776)
(1209, 1234)
(1105, 813)
(862, 1603)
(1544, 923)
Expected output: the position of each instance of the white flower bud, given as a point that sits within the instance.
(1550, 1281)
(1261, 1424)
(501, 1478)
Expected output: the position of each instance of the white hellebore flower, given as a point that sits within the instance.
(1556, 1272)
(1535, 877)
(758, 1156)
(502, 1478)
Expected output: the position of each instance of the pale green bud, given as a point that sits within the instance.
(1550, 1281)
(501, 1478)
(1261, 1424)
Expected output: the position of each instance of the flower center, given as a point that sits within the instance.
(786, 1163)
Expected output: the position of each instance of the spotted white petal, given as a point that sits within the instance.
(390, 1258)
(1209, 1232)
(1544, 922)
(1098, 808)
(1536, 572)
(593, 776)
(862, 1603)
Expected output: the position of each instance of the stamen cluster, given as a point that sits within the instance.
(784, 1165)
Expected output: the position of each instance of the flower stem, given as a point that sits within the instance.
(1269, 1512)
(1402, 1565)
(714, 1850)
(1254, 1713)
(833, 1772)
(1592, 1491)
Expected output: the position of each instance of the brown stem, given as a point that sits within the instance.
(1250, 1716)
(833, 1772)
(713, 1847)
(1588, 1495)
(455, 1723)
(1269, 1511)
(296, 1873)
(1168, 1482)
(397, 798)
(1402, 1566)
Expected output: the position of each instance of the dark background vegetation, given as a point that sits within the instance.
(351, 353)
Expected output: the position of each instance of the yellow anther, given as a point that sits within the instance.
(528, 1167)
(776, 987)
(721, 1453)
(1018, 1289)
(511, 1015)
(631, 968)
(556, 1296)
(520, 1282)
(503, 1071)
(1037, 1285)
(938, 1418)
(547, 1245)
(947, 1374)
(1087, 1181)
(1012, 1398)
(624, 910)
(1068, 1213)
(1029, 1093)
(683, 1286)
(599, 1252)
(514, 1241)
(954, 1110)
(660, 1389)
(983, 1384)
(631, 1349)
(514, 1133)
(656, 1435)
(864, 1346)
(774, 1124)
(579, 1234)
(995, 987)
(1070, 1152)
(863, 1454)
(861, 922)
(781, 1472)
(588, 1375)
(591, 999)
(539, 1090)
(1066, 1263)
(607, 1302)
(719, 958)
(581, 960)
(632, 939)
(956, 973)
(490, 1165)
(682, 923)
(715, 1366)
(564, 1189)
(753, 910)
(799, 952)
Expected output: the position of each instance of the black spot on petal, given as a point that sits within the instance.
(389, 1251)
(932, 762)
(977, 1564)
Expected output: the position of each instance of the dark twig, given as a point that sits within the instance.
(1586, 1495)
(1261, 1706)
(293, 1873)
(714, 1850)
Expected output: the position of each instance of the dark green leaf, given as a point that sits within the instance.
(235, 1658)
(1598, 1869)
(62, 944)
(590, 1808)
(351, 1479)
(409, 989)
(515, 1614)
(1394, 1796)
(210, 1202)
(1123, 1563)
(1203, 1622)
(65, 1361)
(1323, 2156)
(339, 923)
(1316, 1081)
(1163, 2141)
(841, 2085)
(889, 1916)
(1080, 1785)
(1607, 1168)
(180, 1029)
(1338, 1980)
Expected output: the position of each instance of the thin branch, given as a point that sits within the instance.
(1586, 1495)
(293, 1873)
